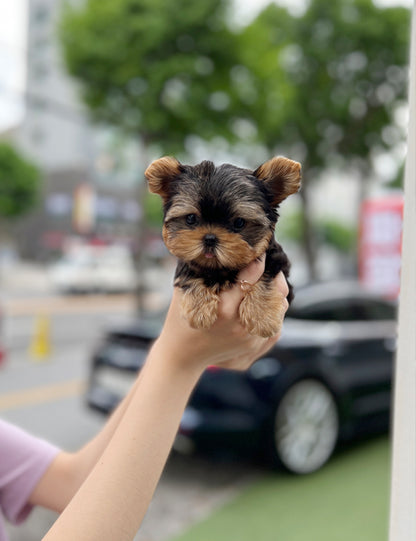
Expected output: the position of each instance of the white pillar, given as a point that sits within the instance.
(403, 479)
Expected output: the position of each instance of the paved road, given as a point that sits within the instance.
(26, 294)
(70, 319)
(46, 398)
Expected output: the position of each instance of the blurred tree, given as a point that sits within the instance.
(156, 68)
(152, 206)
(19, 182)
(324, 86)
(335, 233)
(328, 85)
(159, 70)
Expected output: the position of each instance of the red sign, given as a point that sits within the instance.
(380, 244)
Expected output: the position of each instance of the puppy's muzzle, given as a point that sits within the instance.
(210, 240)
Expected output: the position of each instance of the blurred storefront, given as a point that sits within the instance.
(72, 206)
(90, 173)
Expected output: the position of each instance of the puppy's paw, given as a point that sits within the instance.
(261, 311)
(200, 306)
(201, 318)
(266, 329)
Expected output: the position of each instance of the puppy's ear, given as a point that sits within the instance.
(160, 173)
(282, 175)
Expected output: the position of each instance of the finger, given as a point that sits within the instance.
(281, 283)
(231, 299)
(253, 272)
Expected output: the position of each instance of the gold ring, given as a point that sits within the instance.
(245, 285)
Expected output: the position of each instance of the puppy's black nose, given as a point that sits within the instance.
(210, 240)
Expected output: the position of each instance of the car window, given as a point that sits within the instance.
(325, 312)
(345, 310)
(381, 310)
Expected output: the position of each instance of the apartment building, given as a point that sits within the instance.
(75, 157)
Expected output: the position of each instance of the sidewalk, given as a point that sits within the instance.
(85, 304)
(23, 279)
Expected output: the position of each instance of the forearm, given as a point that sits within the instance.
(113, 500)
(69, 470)
(126, 459)
(85, 459)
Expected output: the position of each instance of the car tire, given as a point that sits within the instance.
(305, 427)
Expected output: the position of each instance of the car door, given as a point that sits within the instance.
(363, 352)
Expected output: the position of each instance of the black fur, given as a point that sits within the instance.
(276, 261)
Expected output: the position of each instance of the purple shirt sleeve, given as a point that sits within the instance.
(23, 461)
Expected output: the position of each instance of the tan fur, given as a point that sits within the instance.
(160, 172)
(230, 251)
(283, 176)
(186, 244)
(260, 310)
(262, 245)
(200, 305)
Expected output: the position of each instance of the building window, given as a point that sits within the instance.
(41, 14)
(37, 135)
(39, 71)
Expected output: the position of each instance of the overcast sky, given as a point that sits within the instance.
(12, 59)
(12, 48)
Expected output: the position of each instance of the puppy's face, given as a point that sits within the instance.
(217, 217)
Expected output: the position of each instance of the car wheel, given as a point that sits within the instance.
(305, 428)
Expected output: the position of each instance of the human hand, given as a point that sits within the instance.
(226, 343)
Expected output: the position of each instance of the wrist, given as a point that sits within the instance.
(175, 361)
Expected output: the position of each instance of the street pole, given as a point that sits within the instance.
(403, 472)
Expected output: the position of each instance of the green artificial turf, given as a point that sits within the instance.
(345, 501)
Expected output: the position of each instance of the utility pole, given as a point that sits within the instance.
(403, 473)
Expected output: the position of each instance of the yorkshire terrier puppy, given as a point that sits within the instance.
(216, 221)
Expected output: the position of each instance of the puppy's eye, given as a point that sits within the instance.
(239, 223)
(191, 219)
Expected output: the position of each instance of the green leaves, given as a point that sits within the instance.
(322, 86)
(340, 72)
(19, 181)
(156, 68)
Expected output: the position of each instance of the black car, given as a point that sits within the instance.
(327, 380)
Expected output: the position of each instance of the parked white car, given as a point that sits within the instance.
(90, 269)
